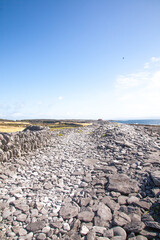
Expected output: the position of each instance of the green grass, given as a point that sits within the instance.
(79, 131)
(60, 134)
(13, 126)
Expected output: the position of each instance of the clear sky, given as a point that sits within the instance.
(84, 59)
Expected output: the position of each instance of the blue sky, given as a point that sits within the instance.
(84, 59)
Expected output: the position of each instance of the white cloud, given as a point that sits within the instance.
(146, 65)
(39, 103)
(138, 94)
(155, 59)
(60, 98)
(131, 80)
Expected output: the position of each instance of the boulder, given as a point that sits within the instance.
(156, 178)
(68, 211)
(35, 226)
(121, 219)
(104, 212)
(86, 216)
(135, 227)
(122, 183)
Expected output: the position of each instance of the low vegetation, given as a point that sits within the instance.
(15, 126)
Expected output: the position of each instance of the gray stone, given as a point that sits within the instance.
(56, 224)
(117, 238)
(122, 200)
(122, 183)
(148, 234)
(109, 233)
(16, 229)
(66, 226)
(42, 181)
(76, 225)
(46, 229)
(72, 236)
(104, 212)
(118, 231)
(41, 236)
(140, 237)
(120, 219)
(111, 203)
(85, 201)
(143, 204)
(98, 221)
(48, 185)
(135, 227)
(84, 230)
(86, 216)
(6, 213)
(21, 206)
(91, 235)
(36, 226)
(153, 224)
(132, 200)
(102, 238)
(130, 210)
(35, 128)
(34, 212)
(68, 211)
(99, 230)
(21, 217)
(22, 232)
(11, 234)
(156, 178)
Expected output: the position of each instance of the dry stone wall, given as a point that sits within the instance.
(19, 143)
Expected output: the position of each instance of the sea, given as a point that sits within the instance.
(140, 121)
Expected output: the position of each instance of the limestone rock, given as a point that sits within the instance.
(91, 235)
(21, 217)
(86, 216)
(41, 236)
(66, 226)
(135, 227)
(68, 211)
(84, 230)
(122, 183)
(107, 200)
(156, 178)
(120, 218)
(153, 224)
(118, 231)
(35, 226)
(104, 212)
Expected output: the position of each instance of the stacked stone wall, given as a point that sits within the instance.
(20, 143)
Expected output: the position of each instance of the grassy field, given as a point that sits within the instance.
(11, 126)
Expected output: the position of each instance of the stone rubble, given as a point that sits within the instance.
(98, 182)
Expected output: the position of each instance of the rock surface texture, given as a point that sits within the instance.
(19, 143)
(94, 183)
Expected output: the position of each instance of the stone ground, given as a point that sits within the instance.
(94, 183)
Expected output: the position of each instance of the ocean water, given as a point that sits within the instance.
(140, 121)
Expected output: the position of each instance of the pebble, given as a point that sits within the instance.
(66, 226)
(84, 230)
(97, 182)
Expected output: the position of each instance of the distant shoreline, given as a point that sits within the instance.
(148, 122)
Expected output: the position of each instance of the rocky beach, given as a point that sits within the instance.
(97, 182)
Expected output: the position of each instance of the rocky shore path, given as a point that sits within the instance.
(93, 183)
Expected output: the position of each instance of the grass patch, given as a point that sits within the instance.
(11, 129)
(15, 126)
(104, 135)
(60, 134)
(6, 126)
(79, 131)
